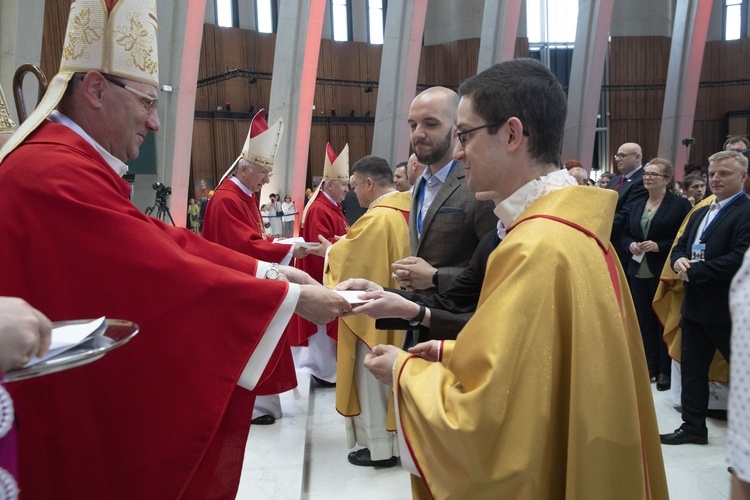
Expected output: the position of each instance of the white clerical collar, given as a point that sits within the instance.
(511, 207)
(241, 186)
(329, 197)
(118, 166)
(382, 196)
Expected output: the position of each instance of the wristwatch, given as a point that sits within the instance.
(416, 320)
(272, 272)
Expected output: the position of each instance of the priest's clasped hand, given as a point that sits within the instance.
(413, 273)
(381, 361)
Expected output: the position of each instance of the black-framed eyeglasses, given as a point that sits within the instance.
(463, 136)
(620, 156)
(651, 175)
(150, 103)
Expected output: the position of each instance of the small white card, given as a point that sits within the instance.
(297, 241)
(352, 296)
(639, 258)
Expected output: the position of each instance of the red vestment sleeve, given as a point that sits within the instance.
(139, 422)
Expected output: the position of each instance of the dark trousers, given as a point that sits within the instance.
(657, 356)
(699, 342)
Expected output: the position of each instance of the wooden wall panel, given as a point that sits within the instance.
(53, 36)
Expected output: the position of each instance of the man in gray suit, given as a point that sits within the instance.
(446, 221)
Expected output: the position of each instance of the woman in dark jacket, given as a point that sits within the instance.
(648, 235)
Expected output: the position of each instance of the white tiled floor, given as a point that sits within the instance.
(303, 456)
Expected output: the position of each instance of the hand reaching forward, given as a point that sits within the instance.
(320, 305)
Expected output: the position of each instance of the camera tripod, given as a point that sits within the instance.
(162, 210)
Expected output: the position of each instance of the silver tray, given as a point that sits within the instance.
(111, 335)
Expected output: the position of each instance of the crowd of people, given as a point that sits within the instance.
(468, 356)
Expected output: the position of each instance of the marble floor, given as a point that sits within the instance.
(303, 456)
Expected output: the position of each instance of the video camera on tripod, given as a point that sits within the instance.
(162, 193)
(160, 202)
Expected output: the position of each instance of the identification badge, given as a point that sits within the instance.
(699, 252)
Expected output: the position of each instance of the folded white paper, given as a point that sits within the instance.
(67, 337)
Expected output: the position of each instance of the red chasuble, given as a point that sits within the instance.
(233, 220)
(162, 416)
(326, 218)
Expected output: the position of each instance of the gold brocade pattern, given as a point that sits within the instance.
(545, 393)
(6, 122)
(136, 40)
(82, 33)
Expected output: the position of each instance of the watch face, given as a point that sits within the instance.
(272, 273)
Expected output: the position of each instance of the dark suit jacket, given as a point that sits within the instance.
(450, 310)
(728, 237)
(451, 228)
(663, 229)
(629, 193)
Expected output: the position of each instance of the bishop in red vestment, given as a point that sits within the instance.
(166, 415)
(322, 216)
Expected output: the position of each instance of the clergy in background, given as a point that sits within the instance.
(233, 220)
(323, 217)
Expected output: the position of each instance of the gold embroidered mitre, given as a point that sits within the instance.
(117, 37)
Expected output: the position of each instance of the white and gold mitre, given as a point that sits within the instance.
(336, 168)
(117, 37)
(262, 142)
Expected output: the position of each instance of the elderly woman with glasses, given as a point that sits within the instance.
(650, 229)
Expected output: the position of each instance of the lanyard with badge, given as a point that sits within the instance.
(698, 250)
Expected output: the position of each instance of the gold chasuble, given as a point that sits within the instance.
(379, 238)
(545, 393)
(668, 307)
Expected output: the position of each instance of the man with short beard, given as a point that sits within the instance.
(446, 220)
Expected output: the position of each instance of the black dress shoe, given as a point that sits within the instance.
(663, 382)
(263, 420)
(322, 383)
(680, 436)
(717, 414)
(362, 458)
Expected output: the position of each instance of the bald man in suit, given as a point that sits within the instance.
(630, 190)
(446, 220)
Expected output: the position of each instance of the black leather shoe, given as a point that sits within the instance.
(681, 437)
(263, 420)
(319, 382)
(362, 458)
(717, 414)
(663, 382)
